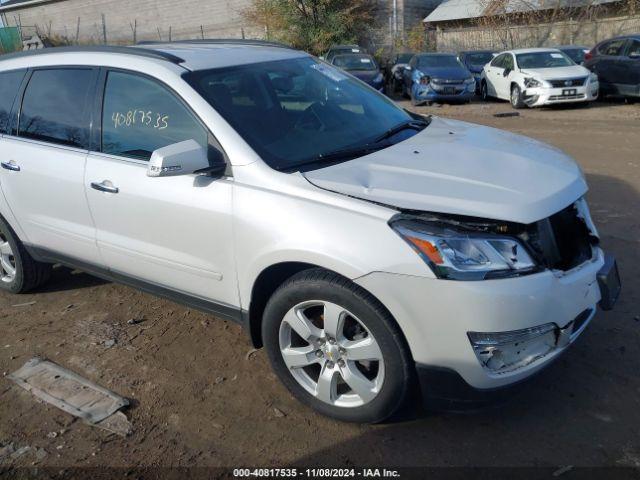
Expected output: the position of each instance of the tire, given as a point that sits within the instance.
(516, 97)
(484, 91)
(329, 355)
(405, 93)
(19, 272)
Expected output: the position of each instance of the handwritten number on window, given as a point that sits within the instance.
(142, 118)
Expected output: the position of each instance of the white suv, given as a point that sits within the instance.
(534, 77)
(365, 247)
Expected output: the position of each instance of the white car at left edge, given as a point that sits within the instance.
(534, 77)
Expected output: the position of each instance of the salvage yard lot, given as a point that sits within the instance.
(201, 397)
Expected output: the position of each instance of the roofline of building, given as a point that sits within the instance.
(485, 14)
(26, 3)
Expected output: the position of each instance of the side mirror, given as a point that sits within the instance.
(184, 158)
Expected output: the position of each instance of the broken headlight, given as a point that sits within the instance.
(531, 82)
(456, 255)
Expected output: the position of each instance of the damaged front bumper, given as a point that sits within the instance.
(437, 317)
(442, 93)
(536, 97)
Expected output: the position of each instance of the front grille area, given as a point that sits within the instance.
(445, 81)
(562, 241)
(568, 82)
(448, 89)
(553, 98)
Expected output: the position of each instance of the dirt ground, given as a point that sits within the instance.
(200, 399)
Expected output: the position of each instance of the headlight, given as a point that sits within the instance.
(593, 78)
(457, 255)
(417, 76)
(470, 80)
(532, 82)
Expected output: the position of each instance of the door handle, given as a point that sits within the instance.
(13, 166)
(103, 187)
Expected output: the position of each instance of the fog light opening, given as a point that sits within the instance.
(504, 352)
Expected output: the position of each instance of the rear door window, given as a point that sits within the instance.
(139, 116)
(56, 106)
(612, 48)
(9, 85)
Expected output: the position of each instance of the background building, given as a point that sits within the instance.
(502, 24)
(125, 22)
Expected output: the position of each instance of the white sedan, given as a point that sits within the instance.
(537, 76)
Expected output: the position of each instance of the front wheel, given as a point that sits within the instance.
(336, 348)
(516, 97)
(484, 91)
(405, 92)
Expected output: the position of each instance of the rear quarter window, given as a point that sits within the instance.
(9, 85)
(498, 61)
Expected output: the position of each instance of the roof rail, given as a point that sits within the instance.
(205, 41)
(140, 52)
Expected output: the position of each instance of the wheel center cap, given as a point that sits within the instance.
(332, 352)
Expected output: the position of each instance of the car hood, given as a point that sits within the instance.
(475, 68)
(572, 71)
(465, 169)
(449, 73)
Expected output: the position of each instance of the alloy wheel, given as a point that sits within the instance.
(7, 260)
(331, 354)
(515, 96)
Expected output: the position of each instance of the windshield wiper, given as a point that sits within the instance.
(362, 150)
(337, 155)
(409, 124)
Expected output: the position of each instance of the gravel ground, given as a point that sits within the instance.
(200, 399)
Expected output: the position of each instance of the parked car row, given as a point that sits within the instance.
(525, 77)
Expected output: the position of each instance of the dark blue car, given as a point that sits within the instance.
(475, 61)
(437, 77)
(363, 67)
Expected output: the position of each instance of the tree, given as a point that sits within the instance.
(313, 25)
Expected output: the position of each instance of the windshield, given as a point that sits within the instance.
(543, 60)
(294, 111)
(438, 61)
(479, 58)
(344, 50)
(575, 54)
(355, 62)
(404, 57)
